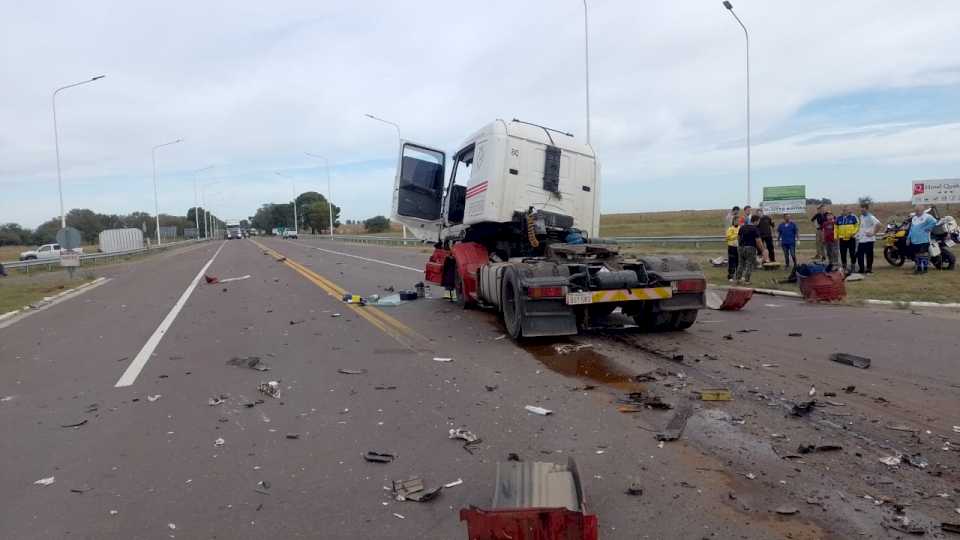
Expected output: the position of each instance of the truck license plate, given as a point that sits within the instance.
(578, 298)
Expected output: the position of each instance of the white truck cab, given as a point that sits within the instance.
(502, 170)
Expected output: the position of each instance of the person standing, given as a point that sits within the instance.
(765, 226)
(829, 228)
(733, 253)
(747, 214)
(817, 220)
(866, 236)
(847, 227)
(787, 236)
(919, 239)
(749, 244)
(733, 213)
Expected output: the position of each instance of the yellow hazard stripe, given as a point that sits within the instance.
(627, 295)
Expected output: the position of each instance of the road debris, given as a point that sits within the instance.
(892, 461)
(675, 426)
(786, 510)
(297, 321)
(217, 400)
(211, 280)
(813, 391)
(293, 435)
(538, 410)
(956, 429)
(270, 388)
(917, 461)
(950, 527)
(398, 516)
(381, 387)
(750, 476)
(795, 334)
(414, 490)
(905, 525)
(635, 489)
(851, 360)
(803, 408)
(810, 448)
(241, 278)
(379, 457)
(567, 348)
(850, 389)
(252, 362)
(46, 481)
(491, 387)
(442, 359)
(172, 526)
(455, 483)
(901, 427)
(151, 399)
(714, 394)
(352, 371)
(219, 442)
(465, 435)
(74, 424)
(335, 315)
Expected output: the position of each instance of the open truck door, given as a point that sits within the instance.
(418, 190)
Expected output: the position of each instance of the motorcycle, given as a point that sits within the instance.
(944, 236)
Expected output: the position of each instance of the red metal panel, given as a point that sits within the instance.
(434, 270)
(470, 256)
(529, 524)
(823, 287)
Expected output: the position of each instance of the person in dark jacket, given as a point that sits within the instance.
(750, 244)
(817, 220)
(765, 227)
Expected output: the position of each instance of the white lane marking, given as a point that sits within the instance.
(378, 261)
(135, 367)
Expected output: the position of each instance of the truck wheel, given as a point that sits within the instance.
(462, 299)
(654, 321)
(893, 256)
(512, 304)
(684, 319)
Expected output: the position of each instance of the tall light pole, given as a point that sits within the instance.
(586, 58)
(196, 199)
(156, 196)
(56, 142)
(206, 212)
(329, 189)
(746, 34)
(399, 144)
(293, 185)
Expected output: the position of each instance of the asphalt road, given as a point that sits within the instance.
(151, 469)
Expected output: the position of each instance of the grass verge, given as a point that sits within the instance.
(19, 291)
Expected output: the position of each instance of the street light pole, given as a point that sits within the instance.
(196, 200)
(56, 142)
(329, 189)
(399, 144)
(746, 34)
(156, 196)
(586, 57)
(293, 186)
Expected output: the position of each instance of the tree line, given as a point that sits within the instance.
(313, 214)
(91, 223)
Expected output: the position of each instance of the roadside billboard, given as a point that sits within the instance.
(784, 200)
(944, 191)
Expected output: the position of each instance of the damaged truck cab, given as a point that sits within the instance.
(515, 228)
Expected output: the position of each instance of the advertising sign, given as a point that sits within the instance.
(796, 206)
(936, 191)
(784, 200)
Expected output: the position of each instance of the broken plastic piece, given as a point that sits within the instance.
(851, 360)
(352, 371)
(538, 410)
(414, 490)
(211, 279)
(464, 434)
(892, 461)
(219, 442)
(270, 388)
(567, 348)
(75, 424)
(917, 461)
(715, 394)
(786, 510)
(45, 481)
(676, 424)
(441, 359)
(241, 278)
(734, 299)
(293, 435)
(635, 489)
(252, 362)
(379, 457)
(151, 399)
(455, 483)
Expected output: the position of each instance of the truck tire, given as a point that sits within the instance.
(512, 304)
(462, 300)
(684, 319)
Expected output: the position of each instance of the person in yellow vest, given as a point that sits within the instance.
(733, 255)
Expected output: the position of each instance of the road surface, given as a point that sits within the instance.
(143, 466)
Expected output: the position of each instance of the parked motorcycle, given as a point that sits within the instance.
(944, 236)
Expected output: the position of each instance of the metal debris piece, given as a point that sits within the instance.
(252, 362)
(414, 490)
(491, 387)
(715, 394)
(538, 410)
(917, 461)
(442, 359)
(398, 516)
(380, 387)
(567, 348)
(901, 427)
(639, 399)
(728, 337)
(905, 525)
(241, 278)
(214, 401)
(293, 435)
(352, 371)
(379, 457)
(850, 389)
(803, 408)
(455, 483)
(956, 429)
(750, 476)
(219, 442)
(635, 489)
(151, 399)
(46, 481)
(75, 424)
(270, 388)
(892, 461)
(464, 434)
(786, 510)
(676, 424)
(795, 334)
(298, 321)
(851, 360)
(813, 391)
(810, 448)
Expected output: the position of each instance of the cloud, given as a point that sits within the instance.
(250, 86)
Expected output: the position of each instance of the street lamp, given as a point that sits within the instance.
(296, 223)
(206, 212)
(586, 58)
(729, 7)
(196, 209)
(329, 189)
(399, 143)
(56, 142)
(156, 197)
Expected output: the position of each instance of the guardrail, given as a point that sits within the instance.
(621, 240)
(91, 259)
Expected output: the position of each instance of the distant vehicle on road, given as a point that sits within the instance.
(46, 251)
(290, 233)
(234, 232)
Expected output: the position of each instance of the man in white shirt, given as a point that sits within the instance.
(866, 236)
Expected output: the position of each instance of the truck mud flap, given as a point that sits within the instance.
(540, 320)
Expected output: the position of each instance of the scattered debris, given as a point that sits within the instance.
(746, 330)
(768, 366)
(293, 435)
(567, 348)
(905, 525)
(850, 389)
(335, 315)
(851, 360)
(455, 483)
(114, 512)
(270, 388)
(950, 527)
(45, 481)
(892, 461)
(795, 334)
(491, 387)
(391, 387)
(398, 516)
(252, 362)
(465, 435)
(750, 476)
(379, 457)
(214, 401)
(956, 429)
(804, 408)
(352, 371)
(901, 427)
(786, 510)
(500, 337)
(917, 461)
(219, 442)
(513, 456)
(810, 448)
(635, 489)
(298, 321)
(414, 490)
(676, 424)
(439, 359)
(538, 410)
(172, 526)
(829, 394)
(813, 391)
(634, 400)
(211, 280)
(715, 394)
(75, 424)
(241, 278)
(728, 337)
(649, 376)
(151, 399)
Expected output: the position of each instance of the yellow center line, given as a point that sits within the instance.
(399, 331)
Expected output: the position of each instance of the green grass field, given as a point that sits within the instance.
(18, 291)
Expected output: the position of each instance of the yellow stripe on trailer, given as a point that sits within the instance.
(627, 295)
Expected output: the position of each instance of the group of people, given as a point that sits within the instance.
(750, 235)
(848, 234)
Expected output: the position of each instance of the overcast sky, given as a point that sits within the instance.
(850, 98)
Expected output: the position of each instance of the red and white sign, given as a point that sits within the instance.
(936, 191)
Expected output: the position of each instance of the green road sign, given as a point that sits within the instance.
(784, 193)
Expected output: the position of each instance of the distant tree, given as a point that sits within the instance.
(244, 224)
(12, 234)
(377, 224)
(866, 199)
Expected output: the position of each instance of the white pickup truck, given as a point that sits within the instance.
(46, 251)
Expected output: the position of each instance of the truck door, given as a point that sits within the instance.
(418, 189)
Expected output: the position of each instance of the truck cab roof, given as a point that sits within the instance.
(533, 133)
